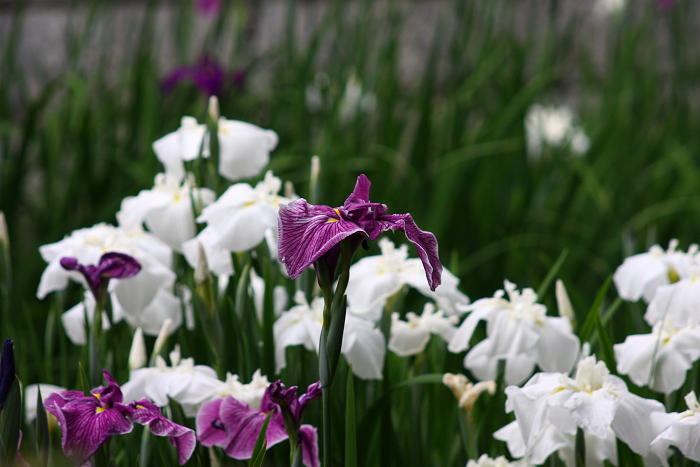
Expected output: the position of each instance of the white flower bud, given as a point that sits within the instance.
(201, 270)
(137, 354)
(162, 337)
(213, 109)
(563, 302)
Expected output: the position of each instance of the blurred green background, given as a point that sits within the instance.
(441, 138)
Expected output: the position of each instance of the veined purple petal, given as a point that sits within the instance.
(146, 412)
(7, 370)
(361, 192)
(307, 232)
(57, 400)
(110, 394)
(425, 243)
(117, 266)
(308, 436)
(210, 428)
(86, 425)
(243, 424)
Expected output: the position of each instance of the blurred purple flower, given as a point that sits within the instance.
(87, 422)
(111, 266)
(208, 7)
(310, 233)
(666, 3)
(207, 75)
(234, 426)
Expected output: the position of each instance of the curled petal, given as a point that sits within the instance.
(147, 413)
(361, 192)
(309, 444)
(307, 232)
(425, 243)
(118, 266)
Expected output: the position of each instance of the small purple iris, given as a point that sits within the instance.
(234, 426)
(307, 232)
(111, 266)
(87, 422)
(207, 75)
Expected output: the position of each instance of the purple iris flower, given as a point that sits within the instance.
(307, 232)
(111, 266)
(208, 7)
(87, 422)
(7, 370)
(207, 75)
(234, 426)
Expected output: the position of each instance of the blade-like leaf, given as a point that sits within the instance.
(552, 273)
(335, 336)
(589, 324)
(83, 379)
(350, 426)
(605, 345)
(42, 431)
(10, 422)
(261, 444)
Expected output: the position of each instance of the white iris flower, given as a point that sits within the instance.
(411, 336)
(364, 346)
(519, 332)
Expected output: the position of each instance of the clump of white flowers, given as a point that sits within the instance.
(518, 331)
(668, 281)
(553, 127)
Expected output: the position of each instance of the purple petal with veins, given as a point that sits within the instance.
(307, 232)
(146, 412)
(243, 424)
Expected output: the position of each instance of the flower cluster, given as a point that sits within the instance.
(553, 127)
(667, 281)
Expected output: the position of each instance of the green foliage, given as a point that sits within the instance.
(446, 144)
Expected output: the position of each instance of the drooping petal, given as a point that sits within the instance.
(307, 232)
(425, 243)
(364, 347)
(147, 413)
(243, 424)
(632, 422)
(309, 445)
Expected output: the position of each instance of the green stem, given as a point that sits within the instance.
(580, 448)
(327, 445)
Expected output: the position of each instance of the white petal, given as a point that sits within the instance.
(244, 149)
(165, 305)
(218, 259)
(632, 422)
(364, 347)
(30, 397)
(405, 339)
(169, 153)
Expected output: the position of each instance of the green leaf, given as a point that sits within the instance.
(335, 335)
(605, 345)
(350, 425)
(324, 369)
(260, 444)
(83, 379)
(589, 324)
(42, 431)
(298, 457)
(10, 423)
(580, 448)
(552, 273)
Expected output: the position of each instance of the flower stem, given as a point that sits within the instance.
(580, 448)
